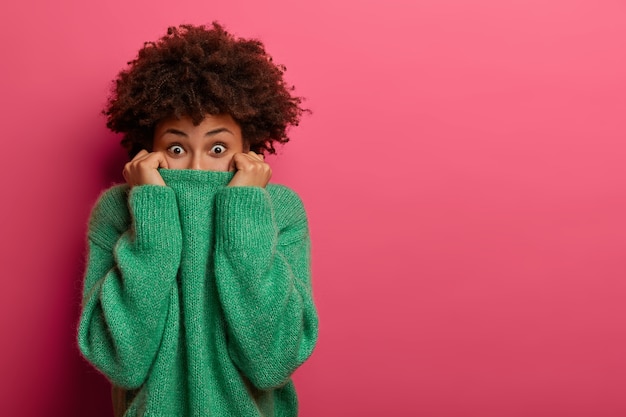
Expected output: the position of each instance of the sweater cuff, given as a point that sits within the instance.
(155, 216)
(245, 217)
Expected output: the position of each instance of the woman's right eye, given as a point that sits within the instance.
(176, 150)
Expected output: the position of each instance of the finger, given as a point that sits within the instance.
(155, 160)
(162, 160)
(231, 164)
(140, 155)
(139, 159)
(240, 161)
(254, 155)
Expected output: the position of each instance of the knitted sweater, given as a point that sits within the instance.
(198, 295)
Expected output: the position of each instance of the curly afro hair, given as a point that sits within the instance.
(194, 71)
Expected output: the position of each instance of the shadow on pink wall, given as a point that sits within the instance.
(90, 390)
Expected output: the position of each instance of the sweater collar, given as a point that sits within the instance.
(177, 177)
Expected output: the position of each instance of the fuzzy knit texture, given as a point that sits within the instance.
(198, 296)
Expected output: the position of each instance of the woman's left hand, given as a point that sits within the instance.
(252, 170)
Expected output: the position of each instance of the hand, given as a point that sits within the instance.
(252, 170)
(142, 169)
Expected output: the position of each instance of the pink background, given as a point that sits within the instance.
(464, 173)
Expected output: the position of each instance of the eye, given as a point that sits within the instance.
(218, 149)
(176, 150)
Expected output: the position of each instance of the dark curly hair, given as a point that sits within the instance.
(194, 71)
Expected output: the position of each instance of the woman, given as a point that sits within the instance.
(197, 295)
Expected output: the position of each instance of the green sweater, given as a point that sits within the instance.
(199, 296)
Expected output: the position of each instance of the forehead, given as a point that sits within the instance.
(210, 122)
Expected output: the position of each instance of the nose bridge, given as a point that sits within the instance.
(195, 160)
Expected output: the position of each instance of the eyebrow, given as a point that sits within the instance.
(209, 133)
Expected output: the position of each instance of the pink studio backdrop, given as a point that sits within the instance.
(464, 173)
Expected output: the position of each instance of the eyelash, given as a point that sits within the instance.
(177, 145)
(219, 144)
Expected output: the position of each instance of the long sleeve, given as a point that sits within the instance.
(134, 243)
(262, 259)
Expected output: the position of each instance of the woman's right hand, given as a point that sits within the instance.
(143, 169)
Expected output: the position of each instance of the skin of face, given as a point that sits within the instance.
(209, 146)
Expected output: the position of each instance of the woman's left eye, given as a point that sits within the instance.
(218, 149)
(176, 150)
